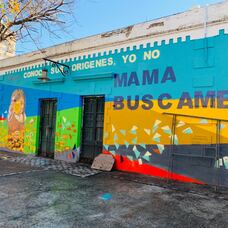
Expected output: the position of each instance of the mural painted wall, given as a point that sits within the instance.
(16, 121)
(143, 88)
(68, 129)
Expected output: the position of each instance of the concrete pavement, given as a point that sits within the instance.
(32, 197)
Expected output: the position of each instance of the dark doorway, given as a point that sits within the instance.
(48, 108)
(92, 128)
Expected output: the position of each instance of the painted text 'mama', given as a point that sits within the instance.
(147, 78)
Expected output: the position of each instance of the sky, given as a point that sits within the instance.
(91, 17)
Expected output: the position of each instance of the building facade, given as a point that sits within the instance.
(153, 95)
(7, 49)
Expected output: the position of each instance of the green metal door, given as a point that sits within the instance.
(48, 108)
(92, 130)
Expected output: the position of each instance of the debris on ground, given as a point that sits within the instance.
(106, 196)
(103, 162)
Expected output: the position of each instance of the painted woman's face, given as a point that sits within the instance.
(18, 107)
(16, 120)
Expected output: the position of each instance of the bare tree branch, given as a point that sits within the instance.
(16, 16)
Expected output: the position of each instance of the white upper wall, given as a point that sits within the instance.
(7, 49)
(196, 23)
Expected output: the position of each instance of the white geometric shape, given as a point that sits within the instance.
(161, 148)
(203, 121)
(167, 130)
(135, 148)
(140, 161)
(157, 122)
(187, 131)
(113, 128)
(156, 137)
(147, 131)
(174, 138)
(147, 154)
(180, 124)
(134, 128)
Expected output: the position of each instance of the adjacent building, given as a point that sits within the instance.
(7, 49)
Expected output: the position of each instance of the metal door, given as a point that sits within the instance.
(48, 109)
(92, 129)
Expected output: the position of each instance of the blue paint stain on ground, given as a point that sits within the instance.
(106, 196)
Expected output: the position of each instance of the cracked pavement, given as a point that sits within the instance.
(33, 197)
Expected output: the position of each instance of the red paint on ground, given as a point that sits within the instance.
(124, 164)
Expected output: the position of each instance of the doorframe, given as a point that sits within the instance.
(82, 99)
(39, 119)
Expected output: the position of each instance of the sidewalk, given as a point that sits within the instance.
(83, 170)
(75, 169)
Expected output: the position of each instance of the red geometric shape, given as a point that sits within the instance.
(122, 163)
